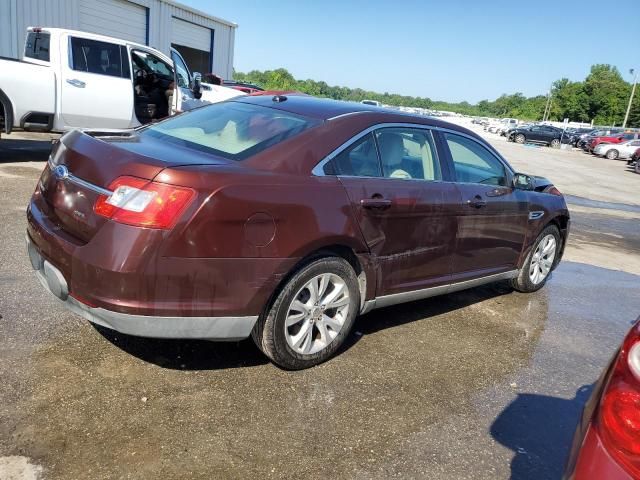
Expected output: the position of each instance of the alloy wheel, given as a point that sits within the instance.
(542, 259)
(520, 138)
(317, 313)
(555, 143)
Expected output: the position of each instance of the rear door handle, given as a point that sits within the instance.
(381, 203)
(76, 83)
(476, 202)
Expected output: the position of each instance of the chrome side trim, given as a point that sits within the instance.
(535, 215)
(80, 182)
(396, 298)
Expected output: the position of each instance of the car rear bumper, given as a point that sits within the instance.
(212, 328)
(594, 461)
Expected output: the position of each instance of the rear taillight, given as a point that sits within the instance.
(619, 412)
(142, 203)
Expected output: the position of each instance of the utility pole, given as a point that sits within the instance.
(547, 107)
(633, 90)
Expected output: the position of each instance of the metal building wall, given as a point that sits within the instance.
(224, 33)
(17, 15)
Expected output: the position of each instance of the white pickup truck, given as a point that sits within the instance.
(76, 80)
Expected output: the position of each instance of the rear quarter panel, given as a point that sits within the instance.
(260, 215)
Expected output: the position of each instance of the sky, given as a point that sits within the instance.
(450, 50)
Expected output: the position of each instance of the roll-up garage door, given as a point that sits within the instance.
(194, 44)
(115, 18)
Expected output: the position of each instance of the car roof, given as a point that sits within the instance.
(308, 106)
(328, 109)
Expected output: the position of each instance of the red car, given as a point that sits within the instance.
(619, 138)
(283, 218)
(606, 444)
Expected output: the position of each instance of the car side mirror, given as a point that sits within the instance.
(196, 86)
(522, 181)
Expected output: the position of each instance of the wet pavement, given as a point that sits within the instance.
(486, 383)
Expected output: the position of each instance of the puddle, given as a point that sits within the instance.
(585, 202)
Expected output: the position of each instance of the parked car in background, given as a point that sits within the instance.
(77, 80)
(586, 138)
(612, 139)
(633, 160)
(245, 87)
(605, 444)
(614, 151)
(574, 135)
(542, 134)
(283, 218)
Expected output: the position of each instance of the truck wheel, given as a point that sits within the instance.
(311, 316)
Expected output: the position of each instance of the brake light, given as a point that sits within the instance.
(619, 413)
(143, 203)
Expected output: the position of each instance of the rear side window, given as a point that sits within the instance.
(232, 130)
(101, 58)
(408, 153)
(37, 46)
(358, 160)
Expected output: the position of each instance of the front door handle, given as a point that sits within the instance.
(76, 83)
(375, 202)
(476, 202)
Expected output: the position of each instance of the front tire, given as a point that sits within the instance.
(612, 154)
(520, 138)
(539, 262)
(555, 143)
(311, 316)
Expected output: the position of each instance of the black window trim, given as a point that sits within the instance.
(442, 151)
(124, 53)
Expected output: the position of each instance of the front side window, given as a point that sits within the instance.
(37, 46)
(150, 64)
(182, 72)
(233, 130)
(473, 163)
(101, 58)
(408, 153)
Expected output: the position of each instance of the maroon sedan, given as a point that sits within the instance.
(283, 218)
(607, 441)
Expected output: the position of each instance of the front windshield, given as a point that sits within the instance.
(233, 130)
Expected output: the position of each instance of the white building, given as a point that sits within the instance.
(206, 42)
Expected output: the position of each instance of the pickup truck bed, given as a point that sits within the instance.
(26, 84)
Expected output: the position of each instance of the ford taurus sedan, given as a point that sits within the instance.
(283, 218)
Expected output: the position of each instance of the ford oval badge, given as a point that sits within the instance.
(61, 172)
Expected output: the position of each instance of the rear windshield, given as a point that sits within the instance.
(232, 130)
(37, 46)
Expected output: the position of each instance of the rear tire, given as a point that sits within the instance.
(539, 261)
(311, 316)
(612, 154)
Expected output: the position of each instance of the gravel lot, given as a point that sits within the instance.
(480, 384)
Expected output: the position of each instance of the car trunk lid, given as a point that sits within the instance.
(82, 168)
